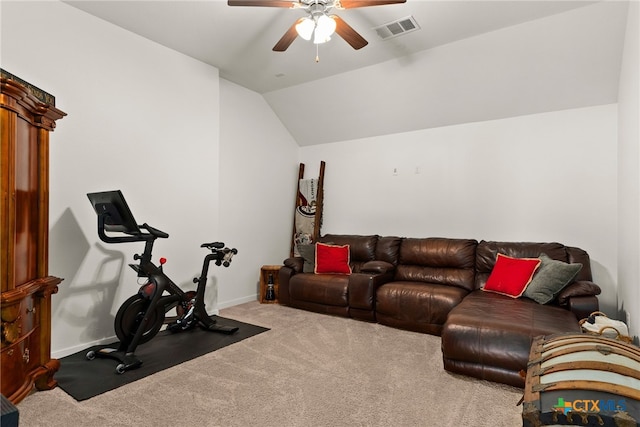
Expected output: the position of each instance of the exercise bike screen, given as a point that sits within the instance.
(113, 207)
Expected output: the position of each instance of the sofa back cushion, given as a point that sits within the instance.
(361, 248)
(577, 255)
(487, 253)
(438, 260)
(388, 249)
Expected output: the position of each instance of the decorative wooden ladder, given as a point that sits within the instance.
(319, 204)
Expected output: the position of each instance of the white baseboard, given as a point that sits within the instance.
(237, 301)
(58, 354)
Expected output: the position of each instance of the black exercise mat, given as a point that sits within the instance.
(83, 379)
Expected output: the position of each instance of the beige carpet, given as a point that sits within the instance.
(308, 370)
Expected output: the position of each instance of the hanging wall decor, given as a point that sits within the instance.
(308, 210)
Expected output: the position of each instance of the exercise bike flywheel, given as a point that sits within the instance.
(131, 314)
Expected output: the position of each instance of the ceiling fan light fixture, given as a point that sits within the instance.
(305, 28)
(325, 27)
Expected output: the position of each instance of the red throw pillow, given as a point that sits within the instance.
(332, 259)
(510, 276)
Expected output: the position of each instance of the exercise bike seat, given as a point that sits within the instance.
(213, 245)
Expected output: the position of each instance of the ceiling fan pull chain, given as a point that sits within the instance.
(317, 54)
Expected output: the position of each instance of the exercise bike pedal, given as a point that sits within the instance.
(180, 326)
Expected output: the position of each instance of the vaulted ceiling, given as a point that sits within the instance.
(469, 61)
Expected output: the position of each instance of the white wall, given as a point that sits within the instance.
(629, 175)
(258, 173)
(147, 120)
(544, 177)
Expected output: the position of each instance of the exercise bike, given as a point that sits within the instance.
(142, 315)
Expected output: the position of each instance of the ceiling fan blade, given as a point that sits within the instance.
(288, 38)
(349, 35)
(352, 4)
(262, 3)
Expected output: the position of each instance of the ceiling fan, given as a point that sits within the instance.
(318, 24)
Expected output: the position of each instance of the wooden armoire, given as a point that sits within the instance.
(27, 115)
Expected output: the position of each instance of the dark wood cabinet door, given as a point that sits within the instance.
(25, 123)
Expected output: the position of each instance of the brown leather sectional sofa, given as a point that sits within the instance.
(433, 285)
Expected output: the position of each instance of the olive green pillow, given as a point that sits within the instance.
(308, 253)
(550, 278)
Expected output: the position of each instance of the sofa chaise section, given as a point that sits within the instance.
(489, 335)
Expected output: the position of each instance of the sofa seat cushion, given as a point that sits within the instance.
(489, 335)
(416, 306)
(327, 289)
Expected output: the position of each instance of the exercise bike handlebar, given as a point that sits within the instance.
(154, 231)
(115, 239)
(219, 253)
(220, 256)
(228, 255)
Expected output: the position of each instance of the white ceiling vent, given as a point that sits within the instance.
(397, 28)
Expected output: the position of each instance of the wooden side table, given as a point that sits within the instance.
(265, 271)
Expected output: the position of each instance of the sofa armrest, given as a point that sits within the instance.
(294, 263)
(580, 298)
(363, 287)
(292, 266)
(284, 276)
(377, 267)
(583, 306)
(581, 288)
